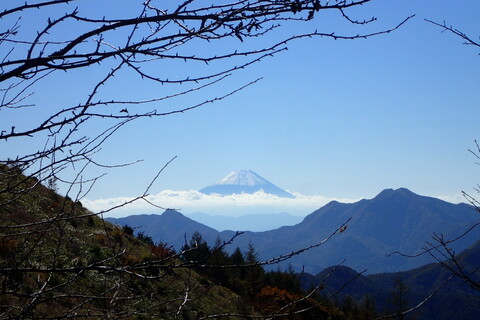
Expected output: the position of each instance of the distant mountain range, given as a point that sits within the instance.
(456, 299)
(171, 227)
(245, 181)
(395, 220)
(250, 222)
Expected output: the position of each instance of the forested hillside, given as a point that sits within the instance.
(59, 260)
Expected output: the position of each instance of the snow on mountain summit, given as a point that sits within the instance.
(245, 181)
(242, 178)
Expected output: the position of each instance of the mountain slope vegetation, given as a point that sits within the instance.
(58, 261)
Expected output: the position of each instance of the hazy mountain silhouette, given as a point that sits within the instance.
(250, 222)
(455, 300)
(245, 181)
(171, 227)
(395, 220)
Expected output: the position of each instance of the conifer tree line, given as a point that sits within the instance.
(267, 291)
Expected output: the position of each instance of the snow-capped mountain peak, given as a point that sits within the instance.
(242, 178)
(245, 181)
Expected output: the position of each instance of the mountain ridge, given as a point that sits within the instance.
(394, 220)
(171, 227)
(250, 222)
(456, 299)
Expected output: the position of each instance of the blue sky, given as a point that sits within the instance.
(333, 119)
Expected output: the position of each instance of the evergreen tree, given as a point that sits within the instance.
(398, 297)
(218, 257)
(128, 230)
(254, 273)
(144, 238)
(197, 250)
(350, 308)
(237, 257)
(237, 272)
(287, 280)
(367, 310)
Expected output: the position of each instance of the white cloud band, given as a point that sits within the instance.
(194, 201)
(191, 201)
